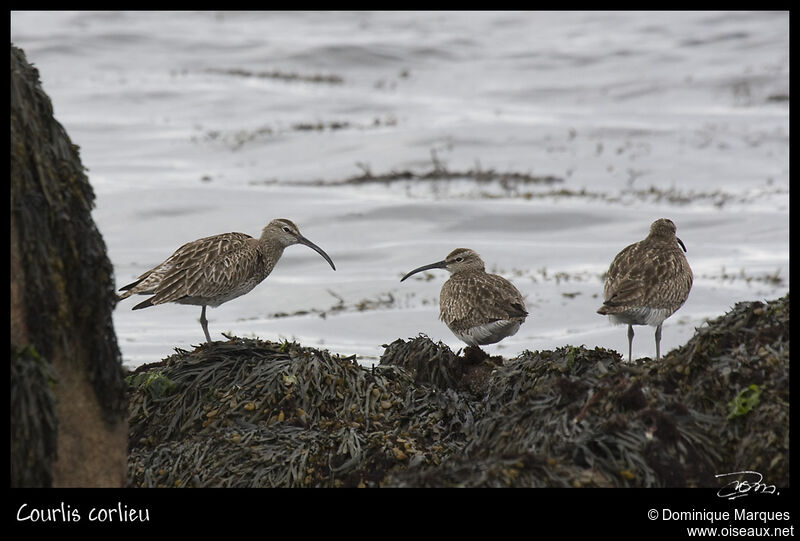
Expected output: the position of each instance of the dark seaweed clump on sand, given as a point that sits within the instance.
(248, 413)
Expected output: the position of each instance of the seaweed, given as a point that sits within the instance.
(248, 413)
(509, 181)
(279, 75)
(34, 428)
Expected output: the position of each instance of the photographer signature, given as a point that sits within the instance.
(749, 483)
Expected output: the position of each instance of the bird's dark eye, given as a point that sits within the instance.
(459, 259)
(286, 229)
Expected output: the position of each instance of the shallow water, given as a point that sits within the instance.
(192, 124)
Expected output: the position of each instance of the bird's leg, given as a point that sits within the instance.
(204, 323)
(658, 342)
(630, 343)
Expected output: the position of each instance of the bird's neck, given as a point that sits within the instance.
(271, 247)
(466, 273)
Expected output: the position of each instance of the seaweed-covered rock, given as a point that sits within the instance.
(253, 413)
(33, 419)
(428, 362)
(577, 417)
(68, 420)
(736, 369)
(437, 365)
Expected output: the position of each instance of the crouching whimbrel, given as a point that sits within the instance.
(216, 269)
(479, 308)
(648, 281)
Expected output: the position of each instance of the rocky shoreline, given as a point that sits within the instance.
(249, 413)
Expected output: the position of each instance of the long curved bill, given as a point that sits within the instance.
(438, 265)
(302, 240)
(681, 243)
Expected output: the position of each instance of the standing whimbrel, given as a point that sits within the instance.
(648, 281)
(216, 269)
(479, 308)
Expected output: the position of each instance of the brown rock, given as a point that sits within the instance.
(68, 406)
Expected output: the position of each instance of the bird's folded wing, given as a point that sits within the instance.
(204, 267)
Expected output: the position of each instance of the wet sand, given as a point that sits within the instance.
(184, 136)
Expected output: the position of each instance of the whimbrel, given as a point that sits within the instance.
(648, 281)
(216, 269)
(479, 308)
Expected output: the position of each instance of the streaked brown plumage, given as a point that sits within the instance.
(479, 308)
(648, 281)
(216, 269)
